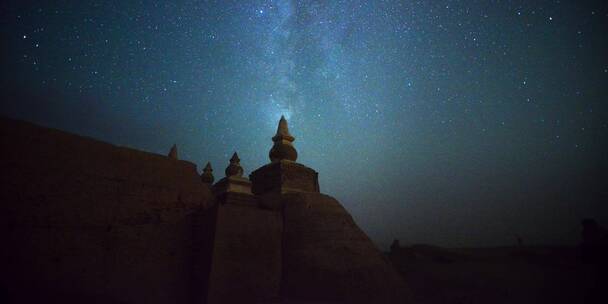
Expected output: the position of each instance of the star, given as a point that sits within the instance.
(408, 110)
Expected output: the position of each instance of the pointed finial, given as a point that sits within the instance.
(234, 168)
(283, 148)
(207, 175)
(235, 158)
(283, 131)
(173, 152)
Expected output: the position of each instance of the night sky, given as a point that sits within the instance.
(456, 123)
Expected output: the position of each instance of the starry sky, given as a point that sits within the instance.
(456, 123)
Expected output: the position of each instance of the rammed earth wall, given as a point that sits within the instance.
(84, 221)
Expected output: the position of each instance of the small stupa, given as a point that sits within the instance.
(207, 175)
(234, 168)
(173, 152)
(234, 182)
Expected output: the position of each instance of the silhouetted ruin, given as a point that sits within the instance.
(594, 243)
(88, 222)
(594, 252)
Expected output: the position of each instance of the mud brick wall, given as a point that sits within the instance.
(86, 221)
(247, 251)
(326, 257)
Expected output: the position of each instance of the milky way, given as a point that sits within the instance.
(449, 122)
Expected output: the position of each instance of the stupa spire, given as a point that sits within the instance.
(207, 175)
(283, 131)
(234, 168)
(283, 149)
(173, 152)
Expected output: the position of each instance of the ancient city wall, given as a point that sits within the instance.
(86, 221)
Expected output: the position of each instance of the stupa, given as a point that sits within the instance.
(283, 174)
(234, 186)
(207, 175)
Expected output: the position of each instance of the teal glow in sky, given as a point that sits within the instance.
(448, 122)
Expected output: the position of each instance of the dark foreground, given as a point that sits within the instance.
(499, 275)
(82, 221)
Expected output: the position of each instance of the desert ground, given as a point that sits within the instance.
(496, 275)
